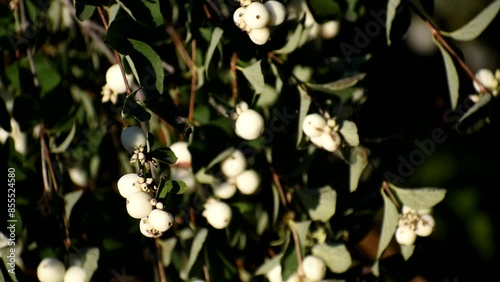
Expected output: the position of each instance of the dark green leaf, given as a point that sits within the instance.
(146, 66)
(172, 186)
(293, 40)
(92, 2)
(198, 241)
(305, 103)
(164, 155)
(451, 74)
(392, 5)
(324, 10)
(83, 12)
(48, 75)
(320, 203)
(214, 41)
(146, 12)
(132, 109)
(483, 101)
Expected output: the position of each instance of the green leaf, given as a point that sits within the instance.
(48, 75)
(4, 116)
(132, 109)
(70, 200)
(358, 160)
(61, 148)
(220, 157)
(146, 66)
(269, 264)
(276, 204)
(289, 262)
(145, 12)
(336, 257)
(320, 203)
(389, 224)
(167, 247)
(83, 12)
(172, 186)
(349, 131)
(407, 251)
(392, 5)
(483, 101)
(302, 229)
(253, 74)
(343, 94)
(164, 155)
(305, 103)
(203, 177)
(90, 262)
(214, 41)
(324, 10)
(419, 198)
(477, 25)
(198, 241)
(293, 40)
(451, 75)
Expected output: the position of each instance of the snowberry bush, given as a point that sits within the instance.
(248, 140)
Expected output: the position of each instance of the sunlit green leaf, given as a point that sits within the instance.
(147, 12)
(358, 160)
(83, 12)
(349, 132)
(389, 224)
(419, 198)
(172, 186)
(392, 5)
(198, 242)
(477, 25)
(70, 200)
(302, 229)
(305, 103)
(55, 148)
(214, 41)
(164, 155)
(90, 263)
(451, 74)
(268, 265)
(407, 251)
(336, 257)
(253, 74)
(167, 247)
(320, 203)
(293, 41)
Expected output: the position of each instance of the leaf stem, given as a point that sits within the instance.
(437, 35)
(388, 191)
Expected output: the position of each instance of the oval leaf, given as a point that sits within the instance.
(407, 251)
(320, 203)
(171, 186)
(389, 224)
(214, 40)
(305, 103)
(451, 74)
(336, 257)
(196, 247)
(477, 25)
(421, 198)
(90, 262)
(392, 5)
(358, 160)
(268, 265)
(132, 109)
(253, 74)
(167, 247)
(70, 200)
(146, 66)
(164, 155)
(349, 131)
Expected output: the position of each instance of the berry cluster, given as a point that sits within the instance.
(256, 18)
(489, 79)
(414, 223)
(249, 124)
(313, 268)
(139, 189)
(322, 131)
(51, 269)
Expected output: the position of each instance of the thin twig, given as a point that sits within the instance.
(388, 191)
(276, 181)
(295, 236)
(161, 268)
(437, 35)
(234, 76)
(46, 184)
(194, 81)
(180, 46)
(103, 18)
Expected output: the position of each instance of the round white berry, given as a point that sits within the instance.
(139, 205)
(329, 29)
(217, 213)
(238, 17)
(147, 229)
(114, 79)
(75, 273)
(127, 184)
(248, 181)
(405, 235)
(314, 268)
(487, 78)
(160, 205)
(249, 125)
(161, 220)
(133, 137)
(180, 149)
(277, 12)
(425, 225)
(256, 15)
(329, 141)
(233, 165)
(407, 210)
(274, 275)
(260, 36)
(313, 125)
(224, 190)
(50, 270)
(79, 176)
(241, 107)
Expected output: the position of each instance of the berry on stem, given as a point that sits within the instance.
(139, 205)
(133, 138)
(50, 270)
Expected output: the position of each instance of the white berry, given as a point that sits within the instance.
(313, 125)
(274, 275)
(127, 184)
(139, 205)
(233, 165)
(238, 17)
(147, 229)
(50, 270)
(248, 181)
(249, 125)
(405, 235)
(425, 225)
(329, 30)
(314, 268)
(487, 78)
(277, 11)
(407, 209)
(224, 190)
(161, 220)
(217, 213)
(260, 36)
(256, 15)
(114, 79)
(329, 141)
(133, 137)
(75, 273)
(180, 149)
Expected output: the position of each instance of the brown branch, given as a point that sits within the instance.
(161, 268)
(437, 35)
(234, 76)
(389, 193)
(194, 81)
(180, 46)
(281, 192)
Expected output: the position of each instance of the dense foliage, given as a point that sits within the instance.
(224, 140)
